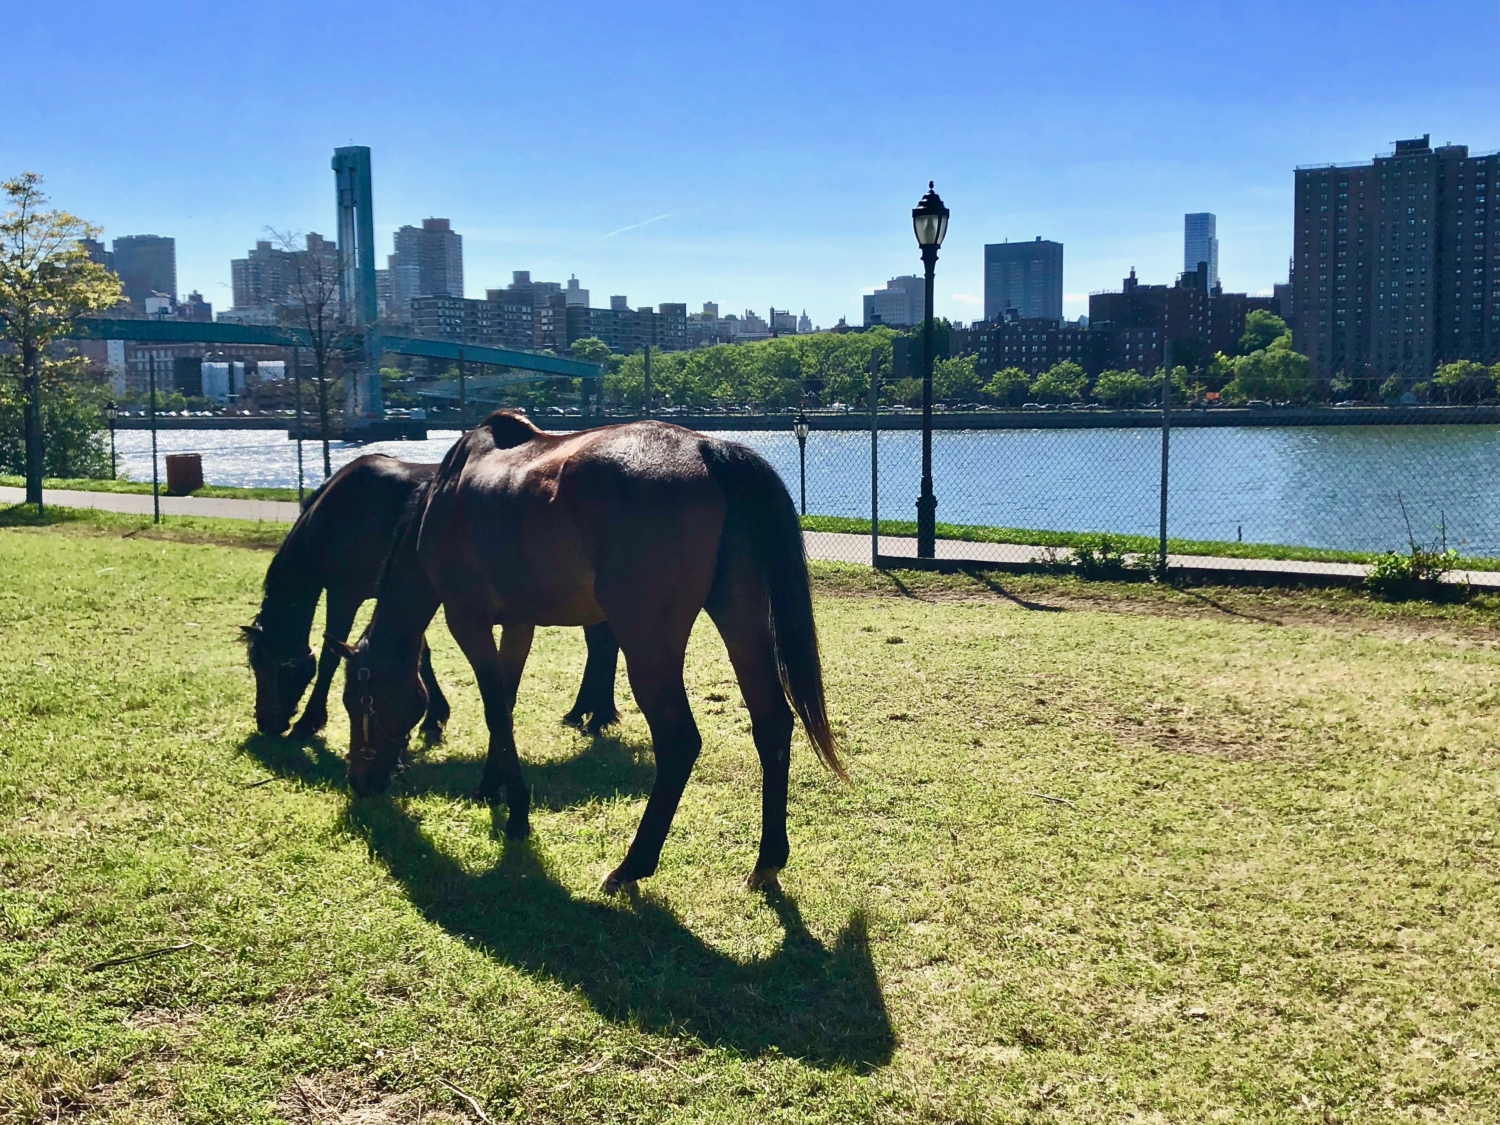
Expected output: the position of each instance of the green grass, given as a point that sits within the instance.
(216, 491)
(1110, 853)
(976, 533)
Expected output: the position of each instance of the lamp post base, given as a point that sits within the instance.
(927, 525)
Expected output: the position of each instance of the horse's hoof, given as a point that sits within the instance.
(432, 734)
(614, 885)
(307, 728)
(599, 724)
(573, 719)
(763, 879)
(517, 828)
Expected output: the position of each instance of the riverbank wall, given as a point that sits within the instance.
(941, 420)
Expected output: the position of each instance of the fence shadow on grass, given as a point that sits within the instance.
(636, 963)
(606, 768)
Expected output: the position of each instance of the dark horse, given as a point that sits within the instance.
(339, 544)
(643, 525)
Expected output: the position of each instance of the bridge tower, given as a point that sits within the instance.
(351, 170)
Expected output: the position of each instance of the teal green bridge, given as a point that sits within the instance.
(515, 366)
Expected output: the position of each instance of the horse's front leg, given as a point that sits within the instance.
(339, 619)
(594, 709)
(437, 703)
(498, 673)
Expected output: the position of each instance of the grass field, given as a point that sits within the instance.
(1110, 853)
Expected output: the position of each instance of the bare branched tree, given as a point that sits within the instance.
(314, 293)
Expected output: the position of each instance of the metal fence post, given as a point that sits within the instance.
(875, 458)
(151, 409)
(1166, 443)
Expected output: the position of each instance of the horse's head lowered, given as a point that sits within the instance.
(384, 705)
(281, 676)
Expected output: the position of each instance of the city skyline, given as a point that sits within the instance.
(770, 189)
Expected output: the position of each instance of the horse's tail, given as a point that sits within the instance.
(761, 516)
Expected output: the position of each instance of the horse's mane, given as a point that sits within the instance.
(410, 521)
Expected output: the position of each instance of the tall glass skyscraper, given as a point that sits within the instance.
(1200, 243)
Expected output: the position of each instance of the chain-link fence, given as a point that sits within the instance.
(1256, 490)
(1241, 490)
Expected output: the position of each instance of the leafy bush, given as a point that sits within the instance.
(73, 435)
(1121, 388)
(1104, 556)
(1008, 386)
(1262, 329)
(1064, 382)
(1275, 374)
(1392, 389)
(1418, 575)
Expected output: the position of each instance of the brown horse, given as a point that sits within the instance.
(645, 525)
(339, 545)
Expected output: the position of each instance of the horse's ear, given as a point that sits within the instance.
(343, 648)
(250, 631)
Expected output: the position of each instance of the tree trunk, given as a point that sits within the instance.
(323, 415)
(31, 384)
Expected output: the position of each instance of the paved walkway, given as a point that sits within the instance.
(267, 511)
(826, 545)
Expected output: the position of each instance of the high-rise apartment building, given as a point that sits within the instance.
(428, 262)
(1026, 277)
(271, 276)
(1200, 243)
(901, 303)
(1396, 263)
(147, 264)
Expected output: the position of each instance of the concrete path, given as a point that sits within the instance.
(266, 511)
(826, 545)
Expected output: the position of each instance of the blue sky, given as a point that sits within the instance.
(750, 154)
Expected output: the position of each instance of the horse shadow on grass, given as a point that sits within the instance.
(607, 768)
(633, 961)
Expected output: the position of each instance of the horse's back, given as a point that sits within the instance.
(351, 520)
(553, 523)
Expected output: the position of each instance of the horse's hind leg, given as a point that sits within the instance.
(498, 672)
(437, 703)
(744, 621)
(656, 678)
(594, 709)
(340, 610)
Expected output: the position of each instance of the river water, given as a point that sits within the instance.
(1340, 487)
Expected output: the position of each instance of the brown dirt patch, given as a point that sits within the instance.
(1477, 622)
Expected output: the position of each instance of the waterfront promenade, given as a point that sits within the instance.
(821, 545)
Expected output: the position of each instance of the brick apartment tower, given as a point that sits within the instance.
(1396, 263)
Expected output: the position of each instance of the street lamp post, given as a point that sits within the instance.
(151, 411)
(111, 415)
(929, 219)
(800, 428)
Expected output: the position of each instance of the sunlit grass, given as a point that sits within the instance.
(1109, 851)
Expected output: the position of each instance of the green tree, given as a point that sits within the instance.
(1275, 374)
(73, 399)
(1393, 388)
(1456, 380)
(1008, 386)
(1121, 388)
(1064, 382)
(46, 282)
(1262, 329)
(955, 380)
